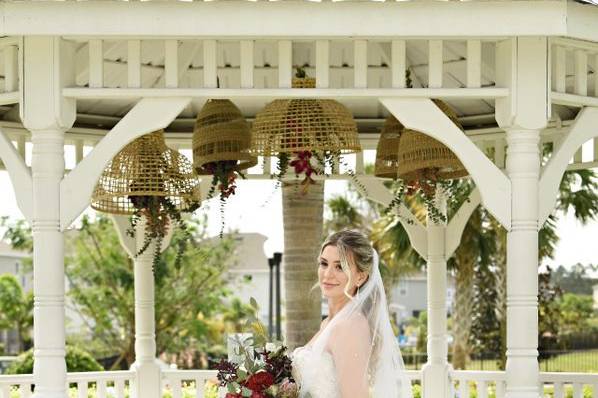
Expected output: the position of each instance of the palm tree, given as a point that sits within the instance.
(344, 215)
(303, 219)
(477, 248)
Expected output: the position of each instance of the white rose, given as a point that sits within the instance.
(270, 347)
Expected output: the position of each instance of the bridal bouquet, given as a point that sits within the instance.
(262, 373)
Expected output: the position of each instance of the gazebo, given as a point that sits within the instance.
(102, 73)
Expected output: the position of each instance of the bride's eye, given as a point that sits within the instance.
(323, 265)
(339, 267)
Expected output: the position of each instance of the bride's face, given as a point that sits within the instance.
(333, 278)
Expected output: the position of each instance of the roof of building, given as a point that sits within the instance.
(6, 250)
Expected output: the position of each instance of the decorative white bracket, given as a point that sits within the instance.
(455, 227)
(423, 115)
(417, 232)
(148, 115)
(584, 129)
(19, 174)
(377, 191)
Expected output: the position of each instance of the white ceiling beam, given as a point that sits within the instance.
(132, 93)
(581, 21)
(287, 19)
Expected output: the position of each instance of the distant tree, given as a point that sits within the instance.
(548, 311)
(574, 312)
(16, 310)
(343, 215)
(575, 280)
(485, 327)
(101, 288)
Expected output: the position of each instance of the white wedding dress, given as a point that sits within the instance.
(319, 369)
(314, 368)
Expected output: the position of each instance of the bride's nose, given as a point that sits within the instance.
(329, 273)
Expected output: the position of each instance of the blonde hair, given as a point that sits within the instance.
(355, 245)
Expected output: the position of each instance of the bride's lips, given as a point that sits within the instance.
(328, 285)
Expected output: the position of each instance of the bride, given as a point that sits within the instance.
(355, 353)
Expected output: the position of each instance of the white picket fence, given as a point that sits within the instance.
(114, 384)
(481, 383)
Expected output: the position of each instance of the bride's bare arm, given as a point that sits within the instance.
(350, 348)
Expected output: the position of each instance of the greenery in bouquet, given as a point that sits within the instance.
(263, 372)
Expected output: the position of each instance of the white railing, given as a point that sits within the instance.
(9, 54)
(19, 384)
(106, 384)
(560, 382)
(552, 384)
(175, 380)
(466, 382)
(128, 66)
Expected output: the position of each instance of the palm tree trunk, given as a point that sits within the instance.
(501, 288)
(463, 306)
(303, 222)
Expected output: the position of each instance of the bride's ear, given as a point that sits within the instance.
(362, 279)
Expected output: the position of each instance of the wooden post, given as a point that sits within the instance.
(523, 68)
(435, 372)
(47, 68)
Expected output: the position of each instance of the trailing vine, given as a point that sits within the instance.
(159, 214)
(425, 186)
(425, 189)
(224, 178)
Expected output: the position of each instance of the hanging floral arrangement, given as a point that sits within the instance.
(153, 184)
(420, 165)
(307, 135)
(221, 140)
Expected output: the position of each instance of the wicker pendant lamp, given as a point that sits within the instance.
(387, 152)
(221, 133)
(423, 157)
(297, 125)
(142, 171)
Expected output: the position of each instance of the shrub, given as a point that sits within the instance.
(77, 360)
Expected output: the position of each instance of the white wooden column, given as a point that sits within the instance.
(523, 168)
(148, 380)
(47, 116)
(523, 68)
(435, 372)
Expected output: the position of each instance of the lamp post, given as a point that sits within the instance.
(271, 299)
(277, 259)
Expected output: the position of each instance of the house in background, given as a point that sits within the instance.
(409, 297)
(11, 262)
(251, 273)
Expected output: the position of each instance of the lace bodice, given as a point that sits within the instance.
(315, 374)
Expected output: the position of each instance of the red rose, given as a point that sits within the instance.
(233, 395)
(259, 382)
(256, 394)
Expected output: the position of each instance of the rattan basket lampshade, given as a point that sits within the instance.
(295, 125)
(145, 167)
(221, 133)
(387, 152)
(420, 156)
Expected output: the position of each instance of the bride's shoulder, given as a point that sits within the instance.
(355, 325)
